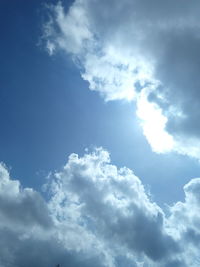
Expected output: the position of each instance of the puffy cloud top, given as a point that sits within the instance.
(97, 215)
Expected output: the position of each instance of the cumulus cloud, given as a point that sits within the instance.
(20, 207)
(96, 214)
(29, 236)
(140, 51)
(113, 203)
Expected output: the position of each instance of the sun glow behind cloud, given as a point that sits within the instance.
(153, 124)
(139, 48)
(111, 72)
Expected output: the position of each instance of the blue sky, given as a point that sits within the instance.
(69, 84)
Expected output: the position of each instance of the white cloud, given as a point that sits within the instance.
(112, 206)
(97, 215)
(154, 124)
(20, 208)
(122, 48)
(31, 237)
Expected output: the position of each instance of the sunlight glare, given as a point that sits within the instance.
(153, 124)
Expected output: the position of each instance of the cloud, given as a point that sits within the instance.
(137, 51)
(20, 207)
(96, 214)
(29, 236)
(113, 203)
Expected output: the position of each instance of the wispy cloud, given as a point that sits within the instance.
(97, 215)
(136, 49)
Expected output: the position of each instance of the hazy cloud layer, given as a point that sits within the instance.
(143, 51)
(97, 215)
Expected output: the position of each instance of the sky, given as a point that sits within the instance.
(100, 133)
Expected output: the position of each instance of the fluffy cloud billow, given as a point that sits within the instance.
(96, 214)
(140, 51)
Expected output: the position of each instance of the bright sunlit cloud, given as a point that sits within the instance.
(120, 47)
(154, 124)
